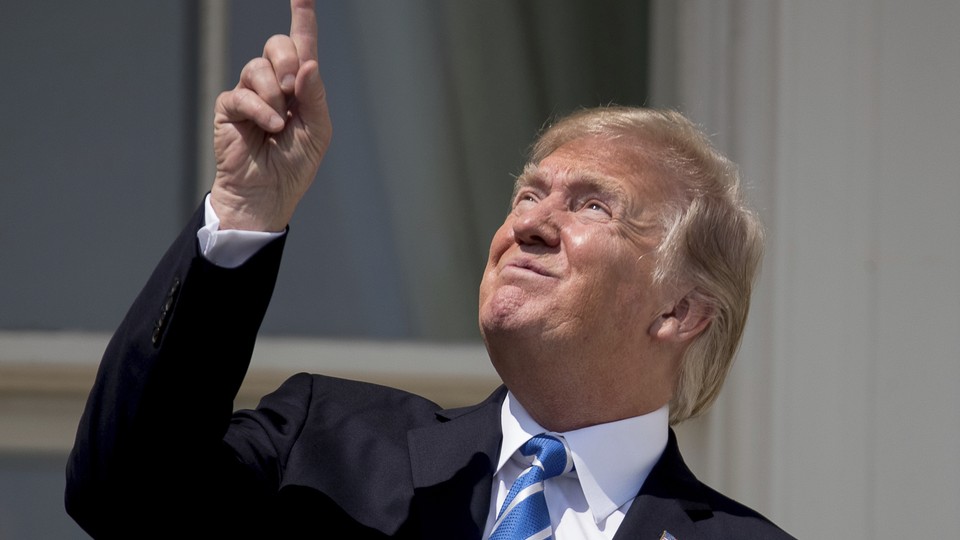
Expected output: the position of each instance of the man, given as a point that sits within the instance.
(614, 296)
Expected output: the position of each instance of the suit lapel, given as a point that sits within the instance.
(669, 500)
(452, 465)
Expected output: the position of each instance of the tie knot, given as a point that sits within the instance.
(524, 514)
(550, 454)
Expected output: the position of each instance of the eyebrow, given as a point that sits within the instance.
(591, 181)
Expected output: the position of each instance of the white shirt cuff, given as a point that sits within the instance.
(229, 248)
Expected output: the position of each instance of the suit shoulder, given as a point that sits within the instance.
(732, 519)
(355, 398)
(698, 510)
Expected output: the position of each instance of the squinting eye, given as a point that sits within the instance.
(524, 198)
(595, 206)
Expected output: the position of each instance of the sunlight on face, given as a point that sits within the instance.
(575, 255)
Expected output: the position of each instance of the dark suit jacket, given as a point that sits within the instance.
(159, 452)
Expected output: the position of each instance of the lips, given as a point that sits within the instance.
(529, 265)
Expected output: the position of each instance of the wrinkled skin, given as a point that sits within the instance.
(568, 309)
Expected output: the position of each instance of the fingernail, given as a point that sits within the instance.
(276, 123)
(288, 82)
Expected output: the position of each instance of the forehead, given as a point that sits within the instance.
(623, 164)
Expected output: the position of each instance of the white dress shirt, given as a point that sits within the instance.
(611, 460)
(229, 248)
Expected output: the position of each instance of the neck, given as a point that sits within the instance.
(564, 391)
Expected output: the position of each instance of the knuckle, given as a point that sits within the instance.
(223, 98)
(255, 67)
(251, 73)
(276, 40)
(279, 48)
(246, 102)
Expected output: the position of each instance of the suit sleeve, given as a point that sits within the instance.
(149, 448)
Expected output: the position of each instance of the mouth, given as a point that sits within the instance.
(528, 266)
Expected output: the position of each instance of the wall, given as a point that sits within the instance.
(840, 418)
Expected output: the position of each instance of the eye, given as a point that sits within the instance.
(525, 198)
(594, 205)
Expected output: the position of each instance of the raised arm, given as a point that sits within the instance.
(271, 130)
(149, 456)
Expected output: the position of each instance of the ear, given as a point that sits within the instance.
(684, 321)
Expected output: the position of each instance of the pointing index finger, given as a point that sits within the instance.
(303, 28)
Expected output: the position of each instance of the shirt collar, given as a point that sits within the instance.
(612, 460)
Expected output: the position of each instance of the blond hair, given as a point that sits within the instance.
(712, 240)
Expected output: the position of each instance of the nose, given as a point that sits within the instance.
(538, 224)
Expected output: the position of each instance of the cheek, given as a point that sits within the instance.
(502, 240)
(487, 285)
(578, 239)
(610, 268)
(596, 256)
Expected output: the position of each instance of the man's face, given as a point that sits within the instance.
(573, 260)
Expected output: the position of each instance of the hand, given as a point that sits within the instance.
(272, 130)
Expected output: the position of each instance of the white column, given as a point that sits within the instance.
(824, 287)
(840, 418)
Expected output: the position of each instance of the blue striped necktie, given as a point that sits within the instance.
(524, 512)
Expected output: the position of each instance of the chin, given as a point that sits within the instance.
(507, 309)
(497, 323)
